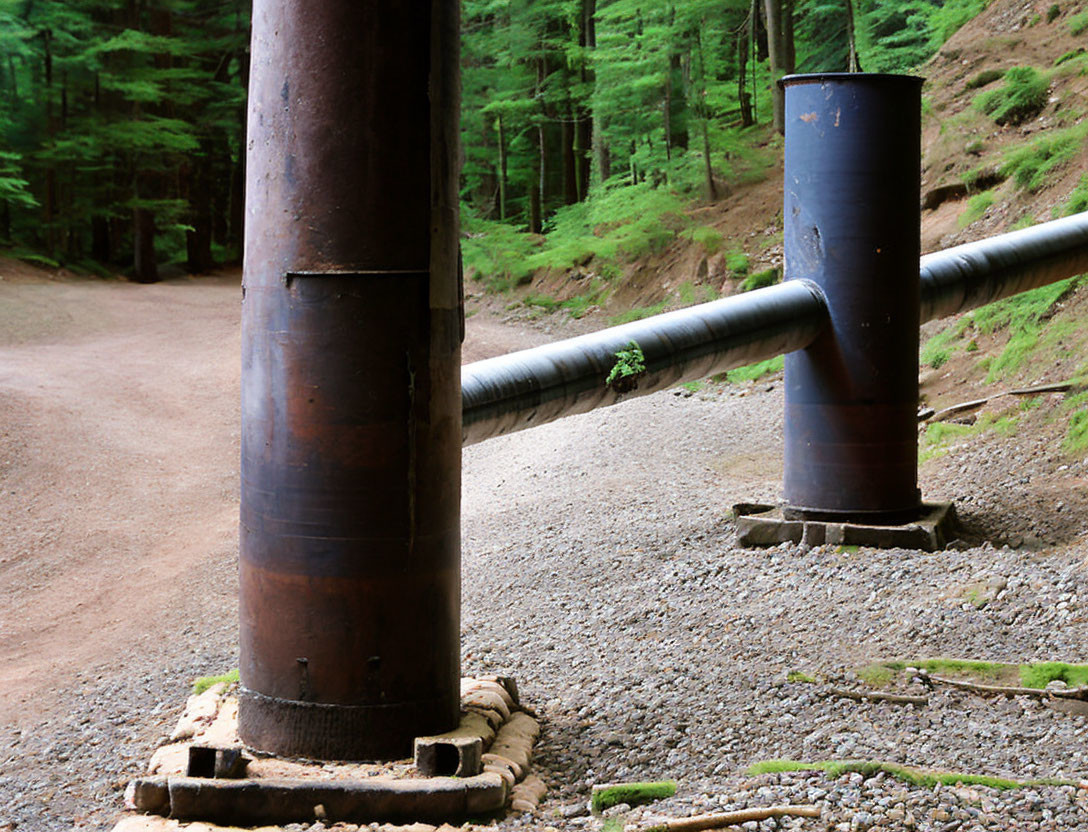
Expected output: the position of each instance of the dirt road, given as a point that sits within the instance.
(118, 469)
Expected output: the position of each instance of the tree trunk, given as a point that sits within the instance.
(238, 173)
(852, 63)
(536, 190)
(583, 128)
(100, 239)
(711, 188)
(789, 50)
(753, 24)
(743, 96)
(667, 115)
(776, 54)
(542, 171)
(502, 170)
(144, 267)
(50, 202)
(198, 242)
(570, 177)
(5, 220)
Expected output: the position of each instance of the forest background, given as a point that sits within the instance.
(586, 124)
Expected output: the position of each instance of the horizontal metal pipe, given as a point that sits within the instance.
(531, 387)
(972, 275)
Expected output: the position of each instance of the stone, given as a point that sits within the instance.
(169, 759)
(148, 794)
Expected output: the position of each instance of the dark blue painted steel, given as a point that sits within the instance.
(851, 226)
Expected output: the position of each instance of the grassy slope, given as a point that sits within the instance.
(998, 176)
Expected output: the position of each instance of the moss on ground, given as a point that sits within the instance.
(204, 682)
(918, 777)
(632, 794)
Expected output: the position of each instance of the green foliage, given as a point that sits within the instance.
(630, 364)
(638, 313)
(496, 253)
(1030, 165)
(204, 682)
(633, 794)
(1030, 403)
(1078, 199)
(579, 305)
(709, 238)
(138, 114)
(875, 675)
(938, 349)
(737, 262)
(919, 778)
(1040, 674)
(1026, 221)
(977, 205)
(939, 435)
(544, 302)
(800, 677)
(985, 670)
(937, 358)
(1022, 97)
(752, 372)
(985, 77)
(1024, 316)
(1076, 437)
(759, 280)
(897, 37)
(1078, 23)
(1068, 56)
(1053, 12)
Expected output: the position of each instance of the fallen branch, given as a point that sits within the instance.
(930, 415)
(701, 822)
(1008, 690)
(876, 696)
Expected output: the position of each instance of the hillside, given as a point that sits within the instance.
(979, 178)
(1023, 172)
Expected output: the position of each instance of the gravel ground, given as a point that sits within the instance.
(600, 570)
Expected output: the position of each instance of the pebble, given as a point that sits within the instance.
(604, 577)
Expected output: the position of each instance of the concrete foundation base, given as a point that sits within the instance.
(764, 525)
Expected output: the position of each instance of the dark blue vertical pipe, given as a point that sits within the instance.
(853, 152)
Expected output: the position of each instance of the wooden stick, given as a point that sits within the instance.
(698, 823)
(877, 696)
(936, 416)
(1006, 690)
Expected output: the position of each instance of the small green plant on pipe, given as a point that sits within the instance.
(632, 794)
(630, 364)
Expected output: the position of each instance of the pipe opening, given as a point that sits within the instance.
(447, 759)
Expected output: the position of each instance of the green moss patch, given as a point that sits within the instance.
(751, 372)
(1030, 675)
(633, 794)
(921, 778)
(204, 682)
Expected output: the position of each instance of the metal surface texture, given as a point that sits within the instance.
(535, 386)
(852, 151)
(350, 468)
(972, 275)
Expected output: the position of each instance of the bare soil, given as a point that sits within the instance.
(119, 428)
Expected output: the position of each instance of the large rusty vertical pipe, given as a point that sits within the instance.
(851, 226)
(351, 419)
